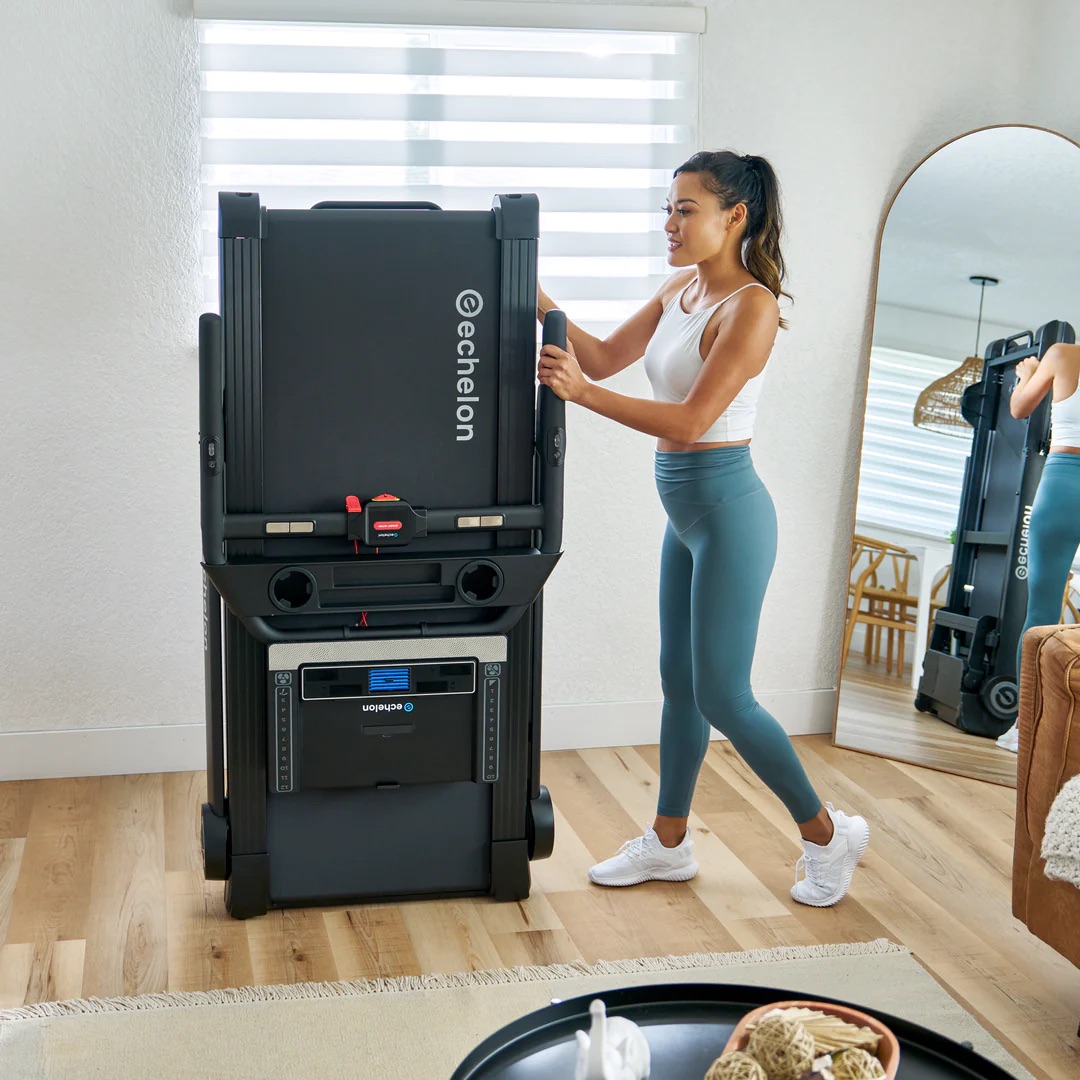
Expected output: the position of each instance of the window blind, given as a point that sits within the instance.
(909, 478)
(550, 14)
(592, 121)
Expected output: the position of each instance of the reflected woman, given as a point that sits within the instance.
(1054, 528)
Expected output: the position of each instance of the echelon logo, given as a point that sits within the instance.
(390, 706)
(469, 304)
(1022, 554)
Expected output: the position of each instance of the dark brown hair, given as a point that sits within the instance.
(748, 179)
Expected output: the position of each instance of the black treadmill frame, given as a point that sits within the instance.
(240, 621)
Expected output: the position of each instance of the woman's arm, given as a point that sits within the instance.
(626, 344)
(740, 352)
(1035, 378)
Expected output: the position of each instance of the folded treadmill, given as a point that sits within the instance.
(381, 492)
(969, 677)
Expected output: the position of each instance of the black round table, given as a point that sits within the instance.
(687, 1025)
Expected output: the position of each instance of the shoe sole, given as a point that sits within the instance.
(836, 897)
(685, 874)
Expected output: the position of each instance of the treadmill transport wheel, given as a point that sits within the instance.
(1001, 697)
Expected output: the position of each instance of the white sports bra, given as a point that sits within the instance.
(1065, 421)
(673, 363)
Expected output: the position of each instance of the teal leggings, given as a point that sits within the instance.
(1053, 537)
(719, 550)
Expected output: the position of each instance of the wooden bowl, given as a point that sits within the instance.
(888, 1048)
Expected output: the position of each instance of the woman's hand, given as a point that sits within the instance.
(1026, 368)
(558, 368)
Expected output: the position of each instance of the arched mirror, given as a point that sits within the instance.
(979, 267)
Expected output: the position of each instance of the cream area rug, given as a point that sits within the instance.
(421, 1028)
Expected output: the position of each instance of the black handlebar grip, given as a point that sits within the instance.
(345, 204)
(211, 439)
(555, 328)
(551, 442)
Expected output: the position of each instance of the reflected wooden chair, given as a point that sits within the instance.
(937, 602)
(1069, 602)
(876, 605)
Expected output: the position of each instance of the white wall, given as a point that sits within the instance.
(99, 289)
(99, 281)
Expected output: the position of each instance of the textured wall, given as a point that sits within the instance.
(101, 622)
(99, 294)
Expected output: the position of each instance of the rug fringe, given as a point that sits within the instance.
(457, 980)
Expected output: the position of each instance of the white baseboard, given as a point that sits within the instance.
(118, 751)
(637, 723)
(39, 755)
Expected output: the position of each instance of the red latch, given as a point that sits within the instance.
(352, 504)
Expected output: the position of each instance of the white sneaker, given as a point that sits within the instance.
(828, 869)
(1010, 740)
(645, 859)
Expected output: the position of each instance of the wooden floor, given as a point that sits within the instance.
(101, 892)
(877, 715)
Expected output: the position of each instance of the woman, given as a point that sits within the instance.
(705, 337)
(1054, 528)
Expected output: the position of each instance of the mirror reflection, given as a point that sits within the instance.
(978, 280)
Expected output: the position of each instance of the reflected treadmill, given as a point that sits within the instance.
(969, 677)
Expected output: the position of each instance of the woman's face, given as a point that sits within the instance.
(697, 226)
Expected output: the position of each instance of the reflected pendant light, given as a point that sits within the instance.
(938, 407)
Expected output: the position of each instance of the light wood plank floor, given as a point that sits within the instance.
(101, 892)
(877, 715)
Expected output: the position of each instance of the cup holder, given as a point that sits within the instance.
(292, 588)
(480, 582)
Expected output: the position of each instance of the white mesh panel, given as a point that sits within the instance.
(290, 657)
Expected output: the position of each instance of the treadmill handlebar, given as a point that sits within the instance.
(338, 204)
(265, 631)
(424, 522)
(211, 438)
(551, 442)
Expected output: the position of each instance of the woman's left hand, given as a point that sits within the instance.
(558, 368)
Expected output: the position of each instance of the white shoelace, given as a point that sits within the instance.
(634, 849)
(811, 865)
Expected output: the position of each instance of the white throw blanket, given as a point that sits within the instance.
(1061, 842)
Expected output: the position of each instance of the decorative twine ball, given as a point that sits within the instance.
(783, 1047)
(735, 1066)
(857, 1064)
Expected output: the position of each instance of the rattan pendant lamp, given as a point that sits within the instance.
(938, 407)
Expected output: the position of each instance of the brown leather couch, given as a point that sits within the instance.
(1049, 755)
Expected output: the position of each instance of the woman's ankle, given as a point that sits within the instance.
(670, 831)
(819, 829)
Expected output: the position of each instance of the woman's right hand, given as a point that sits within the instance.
(1026, 368)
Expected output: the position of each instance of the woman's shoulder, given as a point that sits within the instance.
(752, 299)
(756, 293)
(1064, 357)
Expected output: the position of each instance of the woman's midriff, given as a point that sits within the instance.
(1065, 449)
(668, 446)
